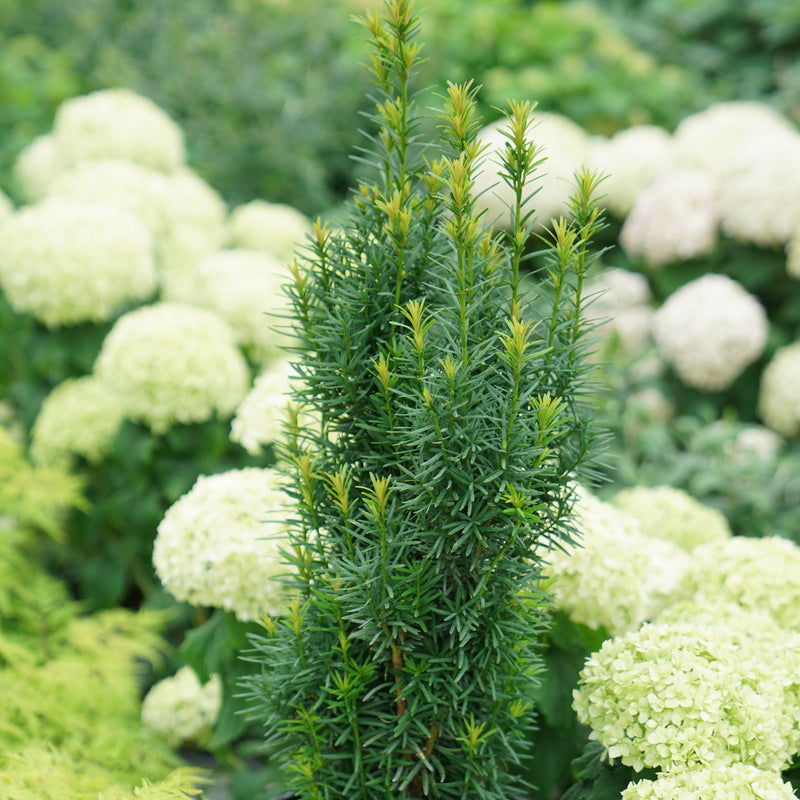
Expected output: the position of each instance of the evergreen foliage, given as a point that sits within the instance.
(438, 472)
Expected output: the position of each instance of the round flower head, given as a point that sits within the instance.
(80, 417)
(706, 140)
(755, 443)
(274, 227)
(614, 577)
(742, 781)
(261, 417)
(759, 195)
(117, 183)
(687, 695)
(117, 123)
(672, 514)
(244, 287)
(674, 219)
(755, 573)
(181, 710)
(564, 144)
(631, 160)
(779, 392)
(173, 363)
(710, 330)
(219, 545)
(68, 262)
(36, 167)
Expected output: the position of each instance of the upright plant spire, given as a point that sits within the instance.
(446, 428)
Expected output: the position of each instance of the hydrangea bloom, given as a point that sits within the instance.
(741, 781)
(760, 201)
(674, 219)
(244, 287)
(706, 140)
(684, 695)
(36, 167)
(79, 417)
(755, 443)
(710, 330)
(68, 262)
(779, 392)
(260, 418)
(274, 227)
(564, 144)
(117, 123)
(632, 159)
(173, 363)
(664, 512)
(614, 577)
(755, 573)
(219, 544)
(181, 710)
(619, 307)
(122, 184)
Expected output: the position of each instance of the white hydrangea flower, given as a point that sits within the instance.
(760, 193)
(631, 160)
(687, 695)
(779, 391)
(79, 417)
(118, 123)
(619, 307)
(664, 512)
(706, 140)
(173, 363)
(755, 443)
(274, 227)
(245, 288)
(675, 218)
(755, 573)
(262, 414)
(562, 142)
(181, 710)
(710, 330)
(117, 183)
(742, 781)
(219, 545)
(614, 577)
(36, 167)
(67, 262)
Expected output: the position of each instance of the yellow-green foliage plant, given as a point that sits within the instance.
(70, 683)
(438, 471)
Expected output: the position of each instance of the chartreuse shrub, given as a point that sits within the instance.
(71, 683)
(436, 474)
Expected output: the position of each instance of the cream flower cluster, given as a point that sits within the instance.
(80, 417)
(675, 218)
(117, 123)
(36, 167)
(219, 545)
(245, 288)
(686, 695)
(173, 363)
(261, 416)
(664, 512)
(566, 147)
(276, 228)
(631, 160)
(615, 577)
(710, 330)
(68, 262)
(754, 573)
(740, 781)
(779, 391)
(619, 307)
(181, 710)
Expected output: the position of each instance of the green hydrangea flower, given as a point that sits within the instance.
(664, 512)
(276, 228)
